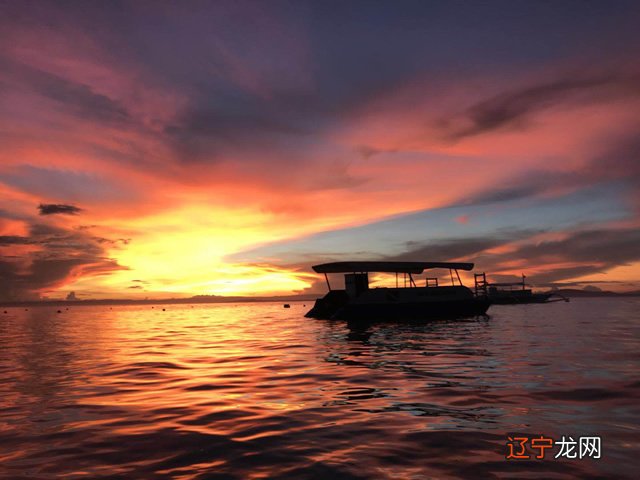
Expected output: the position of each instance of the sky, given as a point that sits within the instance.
(168, 149)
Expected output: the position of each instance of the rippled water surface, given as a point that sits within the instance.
(257, 391)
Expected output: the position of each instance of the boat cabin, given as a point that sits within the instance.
(357, 273)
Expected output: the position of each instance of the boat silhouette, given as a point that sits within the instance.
(357, 301)
(509, 293)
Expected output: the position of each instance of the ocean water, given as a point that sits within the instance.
(253, 391)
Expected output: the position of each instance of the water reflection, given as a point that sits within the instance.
(255, 391)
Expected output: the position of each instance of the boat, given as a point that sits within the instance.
(517, 292)
(358, 301)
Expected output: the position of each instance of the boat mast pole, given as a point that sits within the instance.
(327, 280)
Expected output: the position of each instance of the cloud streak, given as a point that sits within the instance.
(58, 209)
(512, 109)
(579, 253)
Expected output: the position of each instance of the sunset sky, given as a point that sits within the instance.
(168, 149)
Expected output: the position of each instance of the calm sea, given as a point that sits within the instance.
(257, 391)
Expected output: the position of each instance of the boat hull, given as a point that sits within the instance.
(413, 311)
(519, 299)
(404, 311)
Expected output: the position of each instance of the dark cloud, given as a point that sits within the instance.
(76, 98)
(535, 182)
(55, 208)
(445, 250)
(38, 230)
(59, 256)
(521, 188)
(207, 129)
(592, 251)
(13, 240)
(514, 108)
(48, 272)
(618, 161)
(605, 247)
(113, 242)
(556, 274)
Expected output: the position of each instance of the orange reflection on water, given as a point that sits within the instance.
(258, 391)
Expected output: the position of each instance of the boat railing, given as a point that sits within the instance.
(480, 284)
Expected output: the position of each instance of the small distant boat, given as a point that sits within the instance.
(360, 302)
(517, 292)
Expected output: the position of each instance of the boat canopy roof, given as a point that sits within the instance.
(390, 267)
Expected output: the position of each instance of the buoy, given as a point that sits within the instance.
(163, 309)
(59, 311)
(286, 305)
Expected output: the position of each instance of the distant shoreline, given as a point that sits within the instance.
(205, 299)
(569, 292)
(166, 301)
